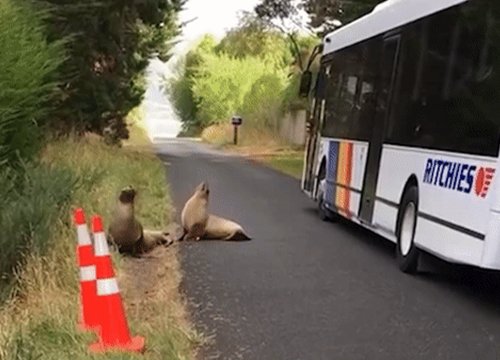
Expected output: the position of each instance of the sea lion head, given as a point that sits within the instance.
(203, 190)
(127, 195)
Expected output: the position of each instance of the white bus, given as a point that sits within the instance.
(405, 128)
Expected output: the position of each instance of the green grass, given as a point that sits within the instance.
(38, 320)
(288, 163)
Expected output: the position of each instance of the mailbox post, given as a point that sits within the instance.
(236, 121)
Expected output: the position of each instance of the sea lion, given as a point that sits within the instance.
(194, 215)
(225, 229)
(127, 232)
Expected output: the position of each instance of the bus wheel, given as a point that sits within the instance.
(406, 252)
(322, 210)
(324, 213)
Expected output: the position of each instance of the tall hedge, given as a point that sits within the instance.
(29, 73)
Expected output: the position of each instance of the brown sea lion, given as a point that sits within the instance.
(127, 232)
(194, 215)
(224, 229)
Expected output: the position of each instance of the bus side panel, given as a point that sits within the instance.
(384, 218)
(448, 244)
(346, 161)
(454, 198)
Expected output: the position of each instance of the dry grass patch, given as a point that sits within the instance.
(288, 162)
(259, 145)
(248, 138)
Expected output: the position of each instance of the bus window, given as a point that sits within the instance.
(448, 94)
(342, 105)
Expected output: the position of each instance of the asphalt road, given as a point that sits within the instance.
(306, 289)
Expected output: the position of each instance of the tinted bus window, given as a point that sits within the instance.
(350, 99)
(448, 94)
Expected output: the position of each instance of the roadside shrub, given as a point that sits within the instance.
(262, 104)
(28, 78)
(34, 201)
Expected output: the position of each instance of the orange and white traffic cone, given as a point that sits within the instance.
(114, 334)
(88, 291)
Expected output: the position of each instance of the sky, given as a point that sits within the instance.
(161, 119)
(206, 22)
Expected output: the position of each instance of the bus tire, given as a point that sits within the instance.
(324, 213)
(406, 252)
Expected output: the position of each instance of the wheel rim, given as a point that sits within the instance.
(407, 227)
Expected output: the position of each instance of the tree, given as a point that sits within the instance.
(324, 15)
(111, 44)
(180, 86)
(254, 38)
(283, 15)
(222, 83)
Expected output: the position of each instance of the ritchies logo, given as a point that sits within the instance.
(458, 176)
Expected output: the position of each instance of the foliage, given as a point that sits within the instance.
(76, 65)
(220, 86)
(32, 203)
(262, 104)
(251, 71)
(28, 79)
(111, 44)
(323, 14)
(180, 87)
(254, 38)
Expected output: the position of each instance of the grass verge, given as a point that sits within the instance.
(290, 163)
(38, 320)
(262, 146)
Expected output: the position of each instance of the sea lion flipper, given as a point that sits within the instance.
(241, 235)
(238, 235)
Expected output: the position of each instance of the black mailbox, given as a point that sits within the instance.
(236, 120)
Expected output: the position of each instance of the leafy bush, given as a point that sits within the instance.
(33, 202)
(222, 84)
(262, 104)
(28, 78)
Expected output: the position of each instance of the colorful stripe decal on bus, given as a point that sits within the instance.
(344, 176)
(331, 172)
(339, 171)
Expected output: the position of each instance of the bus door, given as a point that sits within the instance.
(314, 124)
(388, 66)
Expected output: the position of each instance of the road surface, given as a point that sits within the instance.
(306, 289)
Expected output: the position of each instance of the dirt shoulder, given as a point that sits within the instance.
(151, 289)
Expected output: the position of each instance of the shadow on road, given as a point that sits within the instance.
(473, 284)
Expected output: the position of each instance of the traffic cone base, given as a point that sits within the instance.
(136, 344)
